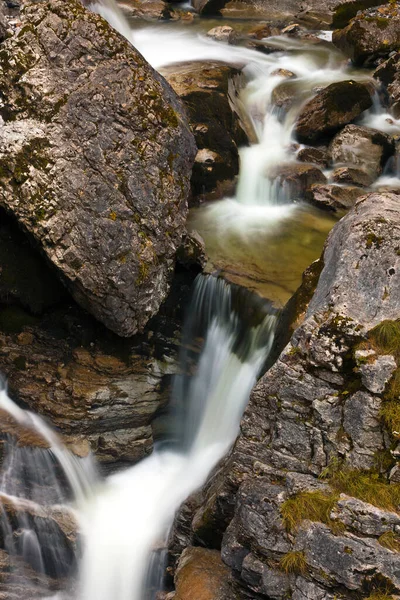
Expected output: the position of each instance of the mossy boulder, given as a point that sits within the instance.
(367, 38)
(331, 108)
(95, 160)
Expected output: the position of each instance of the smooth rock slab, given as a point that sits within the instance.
(95, 160)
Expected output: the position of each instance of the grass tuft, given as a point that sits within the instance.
(312, 506)
(379, 596)
(294, 562)
(390, 415)
(385, 337)
(390, 540)
(393, 390)
(367, 486)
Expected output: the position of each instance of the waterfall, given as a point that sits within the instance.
(38, 475)
(128, 524)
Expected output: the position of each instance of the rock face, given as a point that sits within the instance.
(367, 38)
(95, 160)
(363, 148)
(319, 405)
(205, 90)
(332, 107)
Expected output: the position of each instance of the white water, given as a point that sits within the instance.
(31, 485)
(131, 519)
(81, 474)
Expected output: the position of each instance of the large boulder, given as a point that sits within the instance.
(331, 108)
(367, 38)
(95, 160)
(318, 411)
(363, 148)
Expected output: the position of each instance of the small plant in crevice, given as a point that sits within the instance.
(293, 562)
(390, 415)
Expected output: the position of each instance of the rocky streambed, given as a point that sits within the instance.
(101, 158)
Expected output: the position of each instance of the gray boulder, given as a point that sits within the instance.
(95, 160)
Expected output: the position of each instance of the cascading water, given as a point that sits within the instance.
(130, 521)
(38, 473)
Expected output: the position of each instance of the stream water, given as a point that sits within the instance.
(262, 238)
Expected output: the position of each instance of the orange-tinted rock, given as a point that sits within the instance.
(201, 575)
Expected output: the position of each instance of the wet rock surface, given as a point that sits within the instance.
(334, 106)
(206, 90)
(296, 179)
(66, 164)
(311, 12)
(334, 197)
(389, 74)
(362, 148)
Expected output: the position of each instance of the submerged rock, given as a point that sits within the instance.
(334, 106)
(95, 158)
(223, 33)
(367, 38)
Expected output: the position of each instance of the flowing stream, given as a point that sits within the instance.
(228, 334)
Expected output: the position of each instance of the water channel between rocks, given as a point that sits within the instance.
(262, 237)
